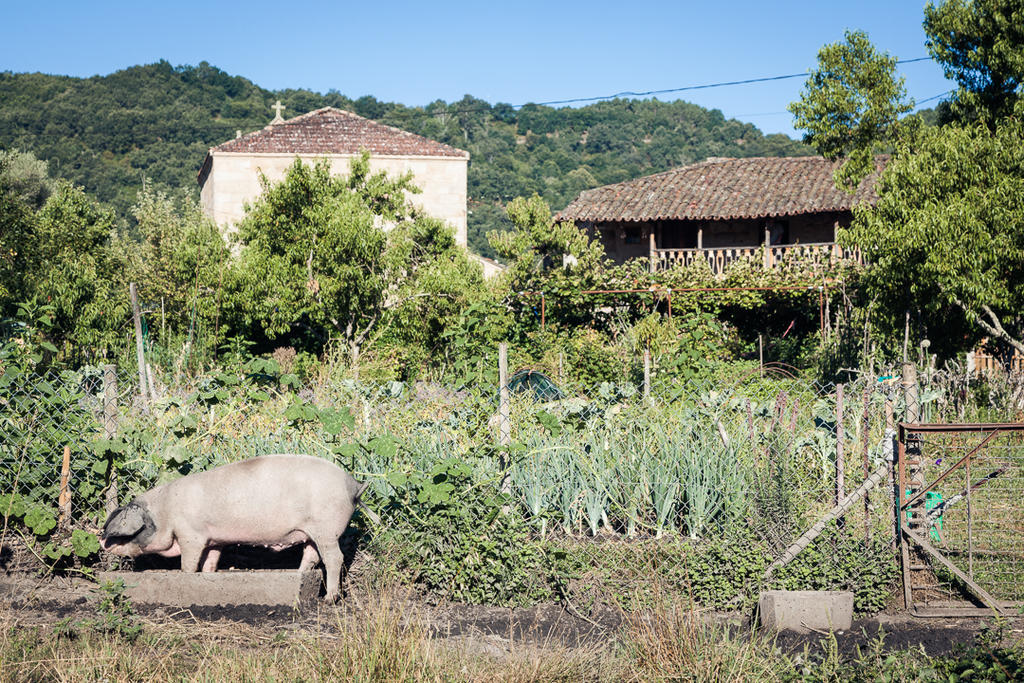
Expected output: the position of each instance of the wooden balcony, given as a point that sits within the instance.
(819, 255)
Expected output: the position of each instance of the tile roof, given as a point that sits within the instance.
(723, 189)
(333, 131)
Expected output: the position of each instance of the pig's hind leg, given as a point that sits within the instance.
(330, 553)
(211, 560)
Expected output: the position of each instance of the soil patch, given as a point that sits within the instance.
(901, 632)
(34, 600)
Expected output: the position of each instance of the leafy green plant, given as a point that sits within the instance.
(457, 540)
(114, 612)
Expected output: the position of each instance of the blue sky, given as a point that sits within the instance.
(515, 52)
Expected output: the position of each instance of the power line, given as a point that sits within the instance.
(424, 111)
(687, 88)
(933, 97)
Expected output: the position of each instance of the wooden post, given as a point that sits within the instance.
(505, 426)
(504, 429)
(653, 251)
(890, 434)
(110, 428)
(700, 237)
(840, 454)
(805, 540)
(647, 373)
(911, 475)
(760, 353)
(140, 352)
(865, 436)
(64, 501)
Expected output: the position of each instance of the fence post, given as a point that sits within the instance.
(64, 500)
(840, 450)
(890, 436)
(140, 352)
(504, 429)
(110, 428)
(760, 353)
(911, 477)
(647, 373)
(866, 429)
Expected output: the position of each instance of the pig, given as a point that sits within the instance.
(275, 501)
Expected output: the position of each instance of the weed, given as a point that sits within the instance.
(114, 612)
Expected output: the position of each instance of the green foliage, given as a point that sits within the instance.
(162, 119)
(456, 540)
(63, 256)
(316, 257)
(879, 661)
(850, 105)
(980, 45)
(311, 251)
(40, 413)
(557, 259)
(432, 281)
(114, 613)
(471, 339)
(727, 571)
(946, 239)
(26, 177)
(838, 560)
(179, 260)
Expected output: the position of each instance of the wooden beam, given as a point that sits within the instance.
(968, 581)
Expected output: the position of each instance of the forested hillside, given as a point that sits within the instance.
(107, 133)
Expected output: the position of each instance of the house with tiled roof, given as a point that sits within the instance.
(722, 210)
(229, 176)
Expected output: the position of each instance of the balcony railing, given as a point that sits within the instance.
(818, 254)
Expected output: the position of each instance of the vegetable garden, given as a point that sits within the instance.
(603, 494)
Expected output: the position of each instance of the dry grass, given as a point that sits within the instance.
(385, 641)
(675, 643)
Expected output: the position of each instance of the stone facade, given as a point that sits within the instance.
(234, 180)
(230, 174)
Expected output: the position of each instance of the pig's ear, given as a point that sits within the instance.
(125, 521)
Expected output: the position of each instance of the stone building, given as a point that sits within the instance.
(722, 210)
(229, 176)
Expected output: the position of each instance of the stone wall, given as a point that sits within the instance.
(233, 180)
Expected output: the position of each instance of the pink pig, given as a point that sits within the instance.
(275, 501)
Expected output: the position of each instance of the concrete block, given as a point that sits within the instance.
(183, 589)
(804, 611)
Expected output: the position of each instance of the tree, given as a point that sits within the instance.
(850, 106)
(316, 254)
(558, 259)
(26, 176)
(75, 266)
(181, 259)
(980, 44)
(947, 235)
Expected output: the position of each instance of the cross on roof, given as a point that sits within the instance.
(277, 107)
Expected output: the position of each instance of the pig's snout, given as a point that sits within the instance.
(127, 528)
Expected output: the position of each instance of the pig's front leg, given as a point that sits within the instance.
(191, 553)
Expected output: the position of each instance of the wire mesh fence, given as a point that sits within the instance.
(961, 507)
(763, 454)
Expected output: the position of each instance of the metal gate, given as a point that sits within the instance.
(960, 517)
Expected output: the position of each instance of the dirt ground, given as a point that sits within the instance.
(31, 600)
(34, 600)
